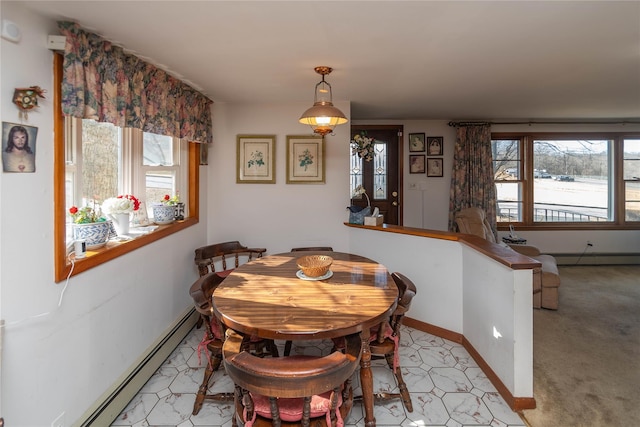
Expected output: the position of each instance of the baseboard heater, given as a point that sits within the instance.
(588, 258)
(113, 401)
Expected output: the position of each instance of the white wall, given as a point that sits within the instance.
(276, 216)
(464, 291)
(62, 358)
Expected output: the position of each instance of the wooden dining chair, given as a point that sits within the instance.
(217, 257)
(201, 292)
(214, 258)
(385, 341)
(294, 390)
(288, 344)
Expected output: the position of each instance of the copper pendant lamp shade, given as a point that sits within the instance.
(323, 117)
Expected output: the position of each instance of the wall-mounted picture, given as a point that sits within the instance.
(434, 167)
(416, 163)
(256, 159)
(434, 146)
(18, 147)
(305, 160)
(416, 142)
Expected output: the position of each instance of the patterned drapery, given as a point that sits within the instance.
(104, 83)
(472, 183)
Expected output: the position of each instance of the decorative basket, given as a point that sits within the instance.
(314, 265)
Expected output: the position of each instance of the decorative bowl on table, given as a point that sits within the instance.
(314, 265)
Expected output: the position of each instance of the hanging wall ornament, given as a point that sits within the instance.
(26, 98)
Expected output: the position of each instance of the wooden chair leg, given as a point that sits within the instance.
(404, 392)
(212, 366)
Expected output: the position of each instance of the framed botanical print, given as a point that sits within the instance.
(256, 159)
(305, 159)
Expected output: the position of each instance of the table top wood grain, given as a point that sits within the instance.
(264, 297)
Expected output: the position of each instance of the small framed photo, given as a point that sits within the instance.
(18, 148)
(416, 142)
(256, 159)
(416, 163)
(434, 167)
(305, 159)
(434, 146)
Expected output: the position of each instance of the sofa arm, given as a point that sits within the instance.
(530, 251)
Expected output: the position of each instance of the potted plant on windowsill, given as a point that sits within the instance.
(164, 212)
(119, 209)
(90, 225)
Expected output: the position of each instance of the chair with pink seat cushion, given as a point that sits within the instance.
(201, 292)
(384, 341)
(294, 390)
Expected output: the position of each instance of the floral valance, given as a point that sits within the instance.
(104, 83)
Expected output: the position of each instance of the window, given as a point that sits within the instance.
(94, 161)
(567, 180)
(631, 176)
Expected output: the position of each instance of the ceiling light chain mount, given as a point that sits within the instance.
(323, 117)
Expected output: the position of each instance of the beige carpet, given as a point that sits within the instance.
(586, 357)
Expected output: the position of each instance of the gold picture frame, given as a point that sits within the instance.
(305, 159)
(256, 159)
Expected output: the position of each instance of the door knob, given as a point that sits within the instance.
(394, 203)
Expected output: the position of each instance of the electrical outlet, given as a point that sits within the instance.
(58, 422)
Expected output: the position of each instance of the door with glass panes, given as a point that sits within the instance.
(381, 176)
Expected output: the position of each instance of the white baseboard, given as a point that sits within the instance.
(113, 401)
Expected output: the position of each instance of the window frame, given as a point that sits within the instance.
(62, 264)
(616, 180)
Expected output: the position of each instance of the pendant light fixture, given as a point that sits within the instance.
(323, 116)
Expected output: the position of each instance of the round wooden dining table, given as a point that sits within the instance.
(267, 297)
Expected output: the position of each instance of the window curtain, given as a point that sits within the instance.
(472, 183)
(102, 82)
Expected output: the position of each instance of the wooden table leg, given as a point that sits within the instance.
(366, 382)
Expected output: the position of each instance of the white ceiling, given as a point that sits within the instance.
(440, 60)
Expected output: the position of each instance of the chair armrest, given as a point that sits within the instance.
(526, 250)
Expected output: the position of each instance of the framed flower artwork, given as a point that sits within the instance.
(305, 160)
(256, 159)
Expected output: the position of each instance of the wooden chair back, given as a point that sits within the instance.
(213, 258)
(295, 377)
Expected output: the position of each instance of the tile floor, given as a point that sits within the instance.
(446, 385)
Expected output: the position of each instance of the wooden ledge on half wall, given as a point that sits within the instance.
(503, 255)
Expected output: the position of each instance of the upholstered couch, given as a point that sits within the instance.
(546, 280)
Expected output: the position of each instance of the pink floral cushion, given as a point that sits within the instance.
(388, 333)
(291, 408)
(224, 273)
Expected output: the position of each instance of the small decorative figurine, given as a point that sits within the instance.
(26, 98)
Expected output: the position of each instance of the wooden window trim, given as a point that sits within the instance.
(527, 161)
(63, 267)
